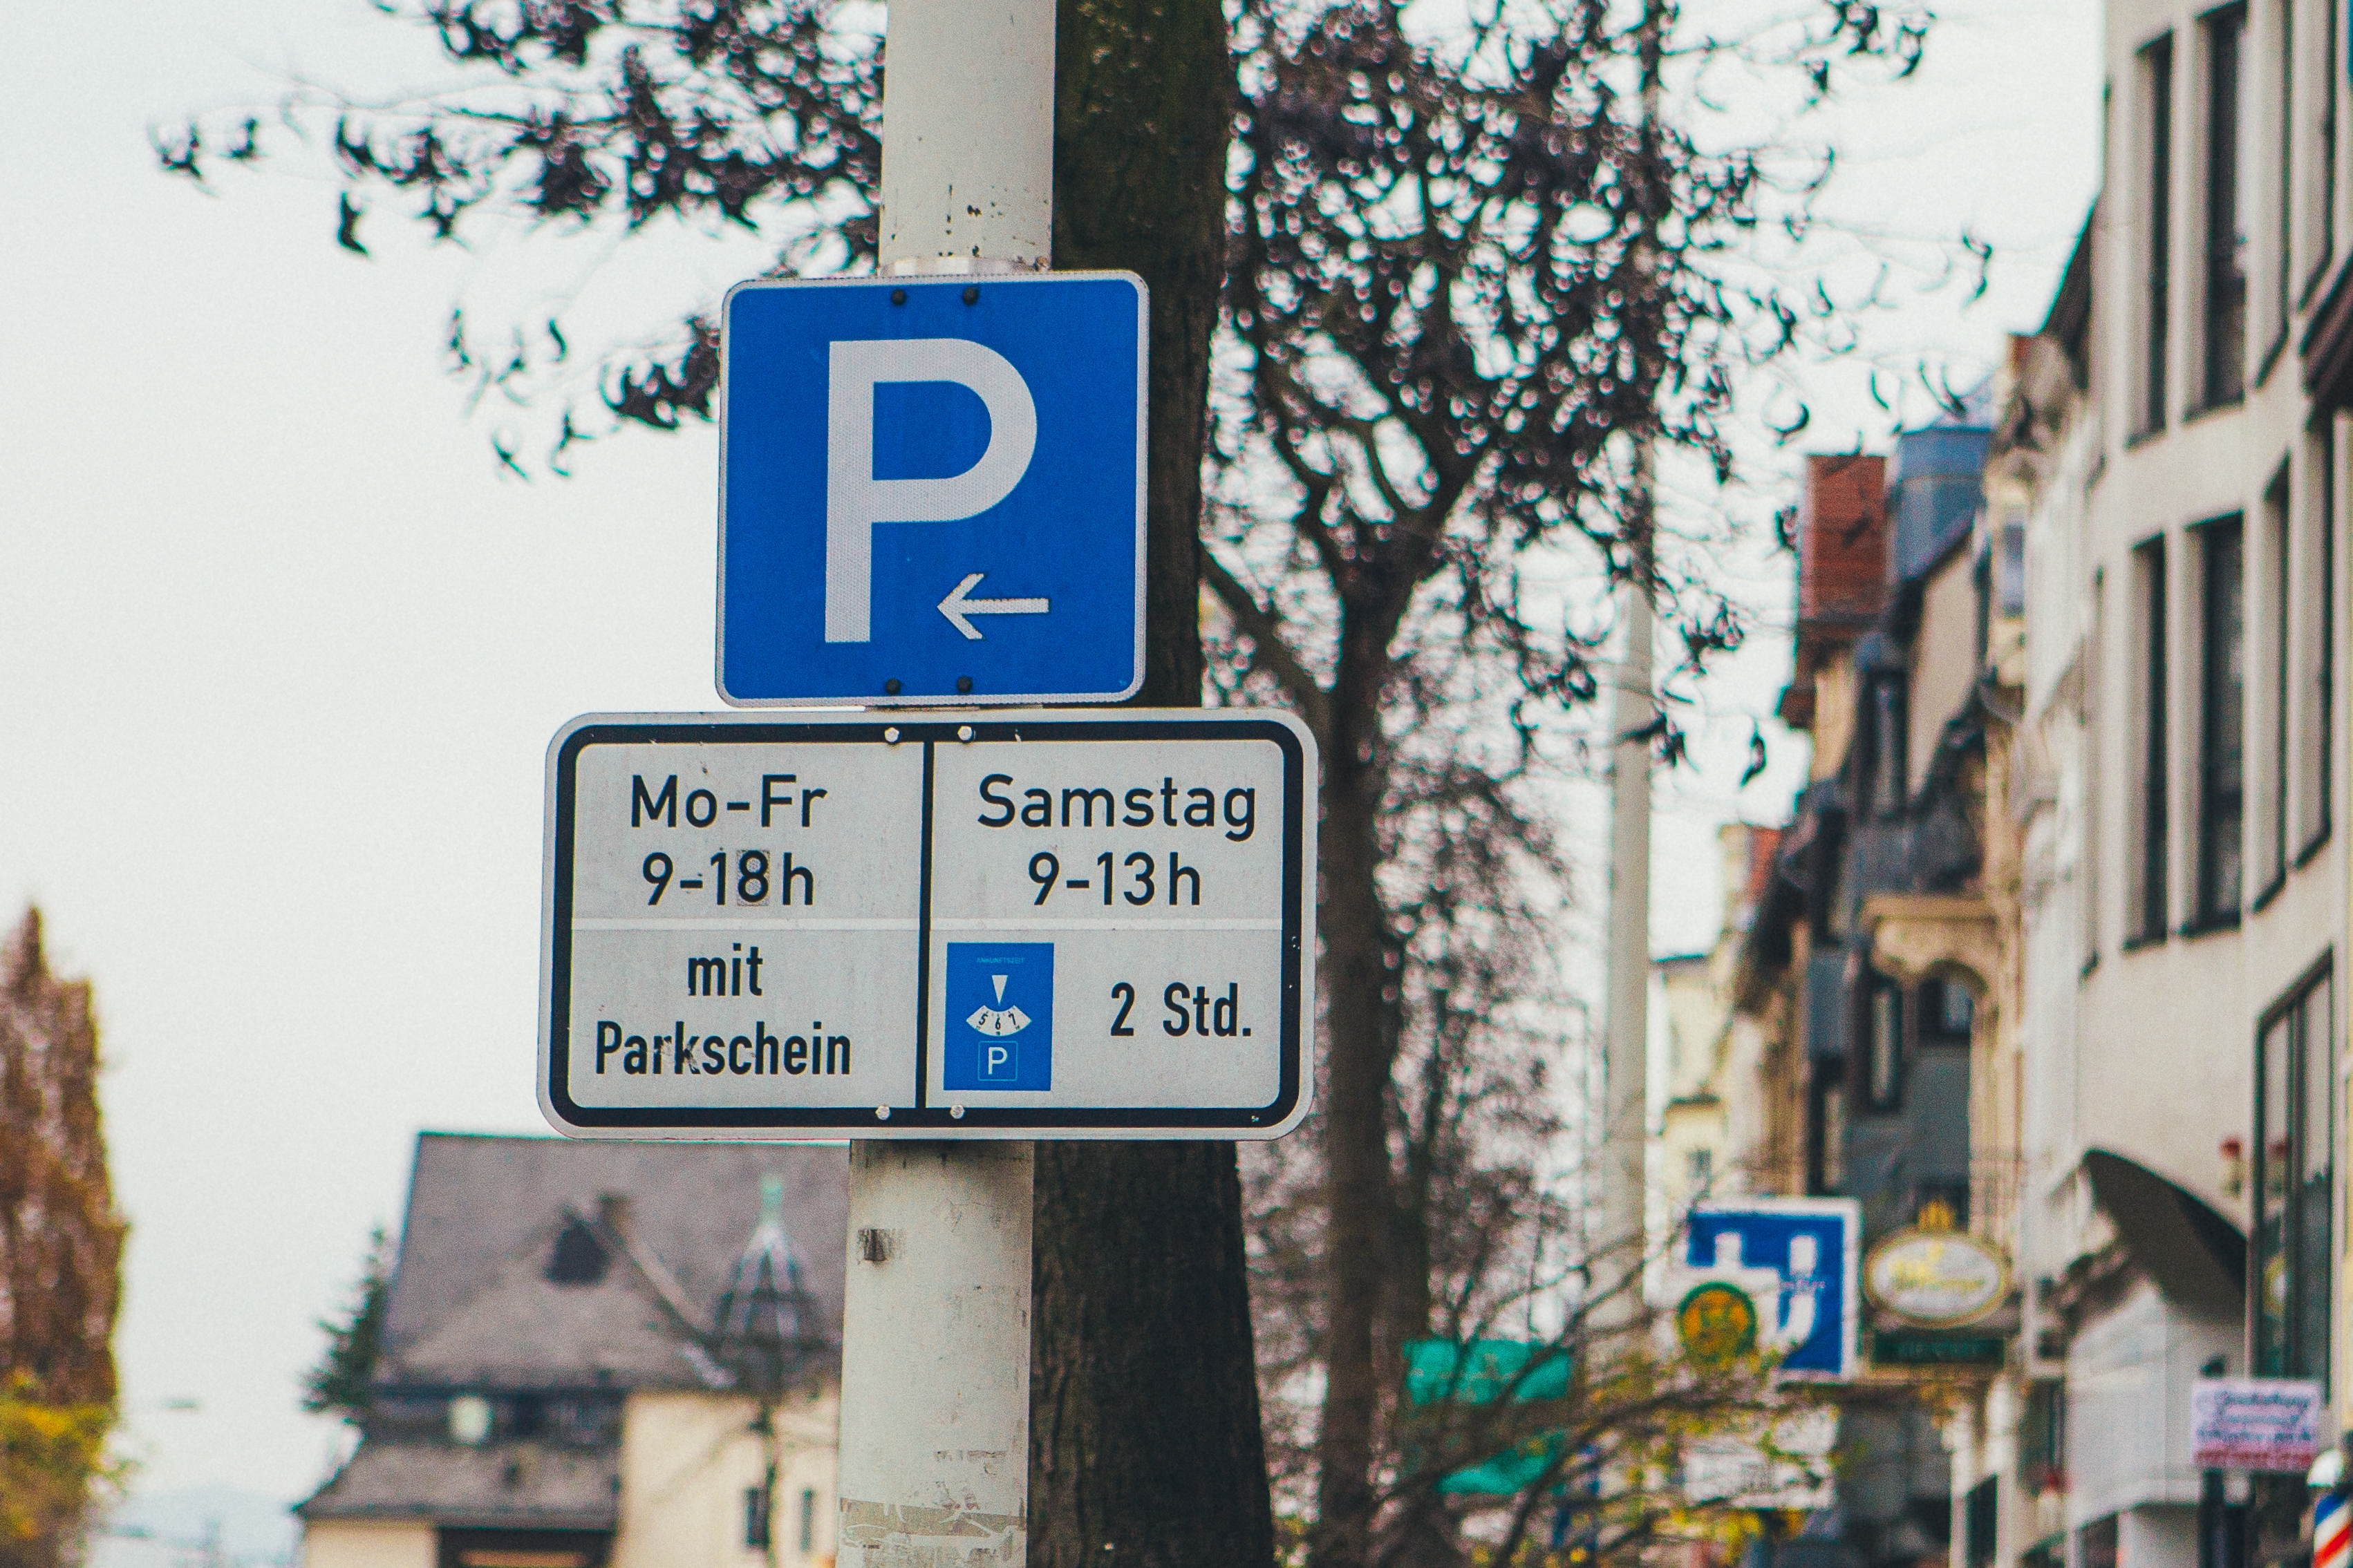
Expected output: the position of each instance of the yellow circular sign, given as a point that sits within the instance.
(1717, 1322)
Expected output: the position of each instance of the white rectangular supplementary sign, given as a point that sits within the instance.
(1005, 925)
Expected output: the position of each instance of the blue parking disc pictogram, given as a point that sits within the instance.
(1000, 1006)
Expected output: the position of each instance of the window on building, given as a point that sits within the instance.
(2314, 621)
(2325, 225)
(1981, 578)
(1948, 1012)
(2284, 230)
(2295, 1071)
(2270, 825)
(2316, 72)
(2043, 1439)
(2150, 826)
(2088, 850)
(1699, 1166)
(1826, 1131)
(2222, 721)
(2095, 1544)
(2225, 302)
(1883, 1045)
(808, 1519)
(755, 1518)
(2156, 166)
(1980, 1514)
(2010, 565)
(1885, 760)
(578, 1257)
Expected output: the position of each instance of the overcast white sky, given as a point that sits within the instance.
(280, 651)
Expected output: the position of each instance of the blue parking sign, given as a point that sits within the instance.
(932, 490)
(1799, 1261)
(1000, 1011)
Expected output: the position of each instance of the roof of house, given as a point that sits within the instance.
(512, 1486)
(529, 1265)
(472, 1304)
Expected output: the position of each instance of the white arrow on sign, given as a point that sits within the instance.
(957, 606)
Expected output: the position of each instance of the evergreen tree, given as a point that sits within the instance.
(339, 1383)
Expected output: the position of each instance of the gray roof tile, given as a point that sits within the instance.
(503, 1486)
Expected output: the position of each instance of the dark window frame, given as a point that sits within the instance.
(1825, 1160)
(2224, 292)
(2153, 783)
(2098, 1544)
(2095, 705)
(2283, 1343)
(2284, 10)
(1882, 1054)
(1887, 720)
(2156, 76)
(2319, 745)
(452, 1545)
(2009, 565)
(2322, 181)
(1981, 1525)
(2221, 722)
(2279, 538)
(1930, 1031)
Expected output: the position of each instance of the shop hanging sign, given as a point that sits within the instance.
(2264, 1424)
(1935, 1278)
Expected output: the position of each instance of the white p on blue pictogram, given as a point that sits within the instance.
(933, 489)
(855, 500)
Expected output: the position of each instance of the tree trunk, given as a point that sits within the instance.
(1145, 1444)
(1357, 1161)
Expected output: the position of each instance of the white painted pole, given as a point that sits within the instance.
(969, 135)
(1624, 1142)
(936, 1356)
(936, 1312)
(1624, 1146)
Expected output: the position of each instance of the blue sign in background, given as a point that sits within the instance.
(1013, 1046)
(1766, 1232)
(1067, 532)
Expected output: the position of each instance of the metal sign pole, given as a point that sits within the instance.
(935, 1316)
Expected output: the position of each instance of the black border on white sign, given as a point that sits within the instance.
(918, 1119)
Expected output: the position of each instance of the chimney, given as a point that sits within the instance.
(1843, 539)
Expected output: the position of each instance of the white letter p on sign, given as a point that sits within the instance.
(855, 500)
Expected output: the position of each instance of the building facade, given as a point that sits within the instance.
(1881, 965)
(2054, 941)
(2188, 899)
(601, 1355)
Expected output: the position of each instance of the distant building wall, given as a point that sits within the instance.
(687, 1463)
(342, 1543)
(2128, 1378)
(1944, 660)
